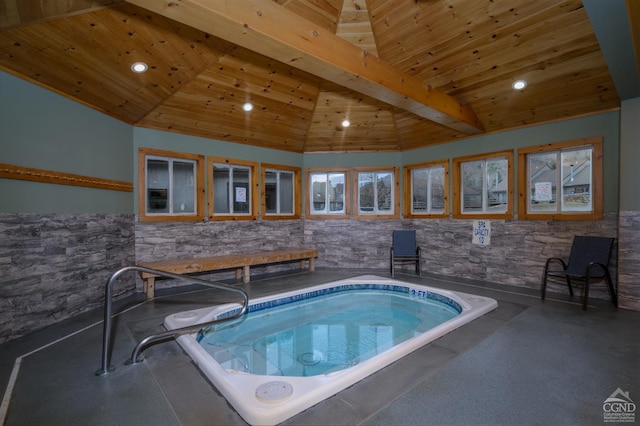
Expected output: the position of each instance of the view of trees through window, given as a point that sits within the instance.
(427, 190)
(375, 192)
(560, 180)
(485, 185)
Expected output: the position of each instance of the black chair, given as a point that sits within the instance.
(588, 260)
(405, 250)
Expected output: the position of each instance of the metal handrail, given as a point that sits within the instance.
(108, 317)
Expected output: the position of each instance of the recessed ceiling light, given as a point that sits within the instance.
(247, 106)
(519, 84)
(139, 67)
(346, 123)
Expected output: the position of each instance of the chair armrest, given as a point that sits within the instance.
(605, 269)
(554, 259)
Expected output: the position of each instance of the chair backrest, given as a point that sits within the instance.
(586, 250)
(404, 243)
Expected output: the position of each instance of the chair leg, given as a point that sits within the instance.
(612, 291)
(543, 287)
(586, 294)
(569, 285)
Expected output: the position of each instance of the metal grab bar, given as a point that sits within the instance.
(108, 302)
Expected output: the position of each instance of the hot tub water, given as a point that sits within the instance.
(323, 334)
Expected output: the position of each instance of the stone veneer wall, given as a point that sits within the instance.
(515, 257)
(349, 243)
(629, 258)
(55, 266)
(165, 240)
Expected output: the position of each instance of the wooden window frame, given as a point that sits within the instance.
(143, 216)
(297, 185)
(457, 188)
(309, 193)
(597, 194)
(253, 184)
(408, 187)
(396, 193)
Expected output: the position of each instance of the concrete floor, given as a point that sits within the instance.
(527, 362)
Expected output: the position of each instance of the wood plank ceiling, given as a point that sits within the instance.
(465, 54)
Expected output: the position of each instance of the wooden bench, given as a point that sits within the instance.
(239, 262)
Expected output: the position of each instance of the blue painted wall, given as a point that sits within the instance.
(41, 129)
(44, 130)
(630, 156)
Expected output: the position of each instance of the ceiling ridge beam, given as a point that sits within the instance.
(344, 22)
(269, 29)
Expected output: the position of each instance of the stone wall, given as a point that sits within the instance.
(351, 243)
(629, 255)
(55, 266)
(165, 240)
(518, 249)
(516, 255)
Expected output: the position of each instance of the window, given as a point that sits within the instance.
(327, 193)
(561, 181)
(280, 192)
(426, 189)
(232, 187)
(377, 192)
(170, 186)
(483, 186)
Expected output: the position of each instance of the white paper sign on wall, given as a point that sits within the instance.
(481, 232)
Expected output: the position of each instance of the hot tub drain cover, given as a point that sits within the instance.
(274, 391)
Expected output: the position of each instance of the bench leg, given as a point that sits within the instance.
(149, 285)
(238, 273)
(312, 264)
(246, 275)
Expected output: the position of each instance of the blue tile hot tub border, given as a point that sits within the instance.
(425, 294)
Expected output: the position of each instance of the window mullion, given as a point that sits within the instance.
(375, 192)
(559, 179)
(429, 183)
(485, 184)
(327, 198)
(230, 190)
(170, 186)
(278, 192)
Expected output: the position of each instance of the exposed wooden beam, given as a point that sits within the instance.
(271, 30)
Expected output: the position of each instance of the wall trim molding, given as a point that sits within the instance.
(9, 171)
